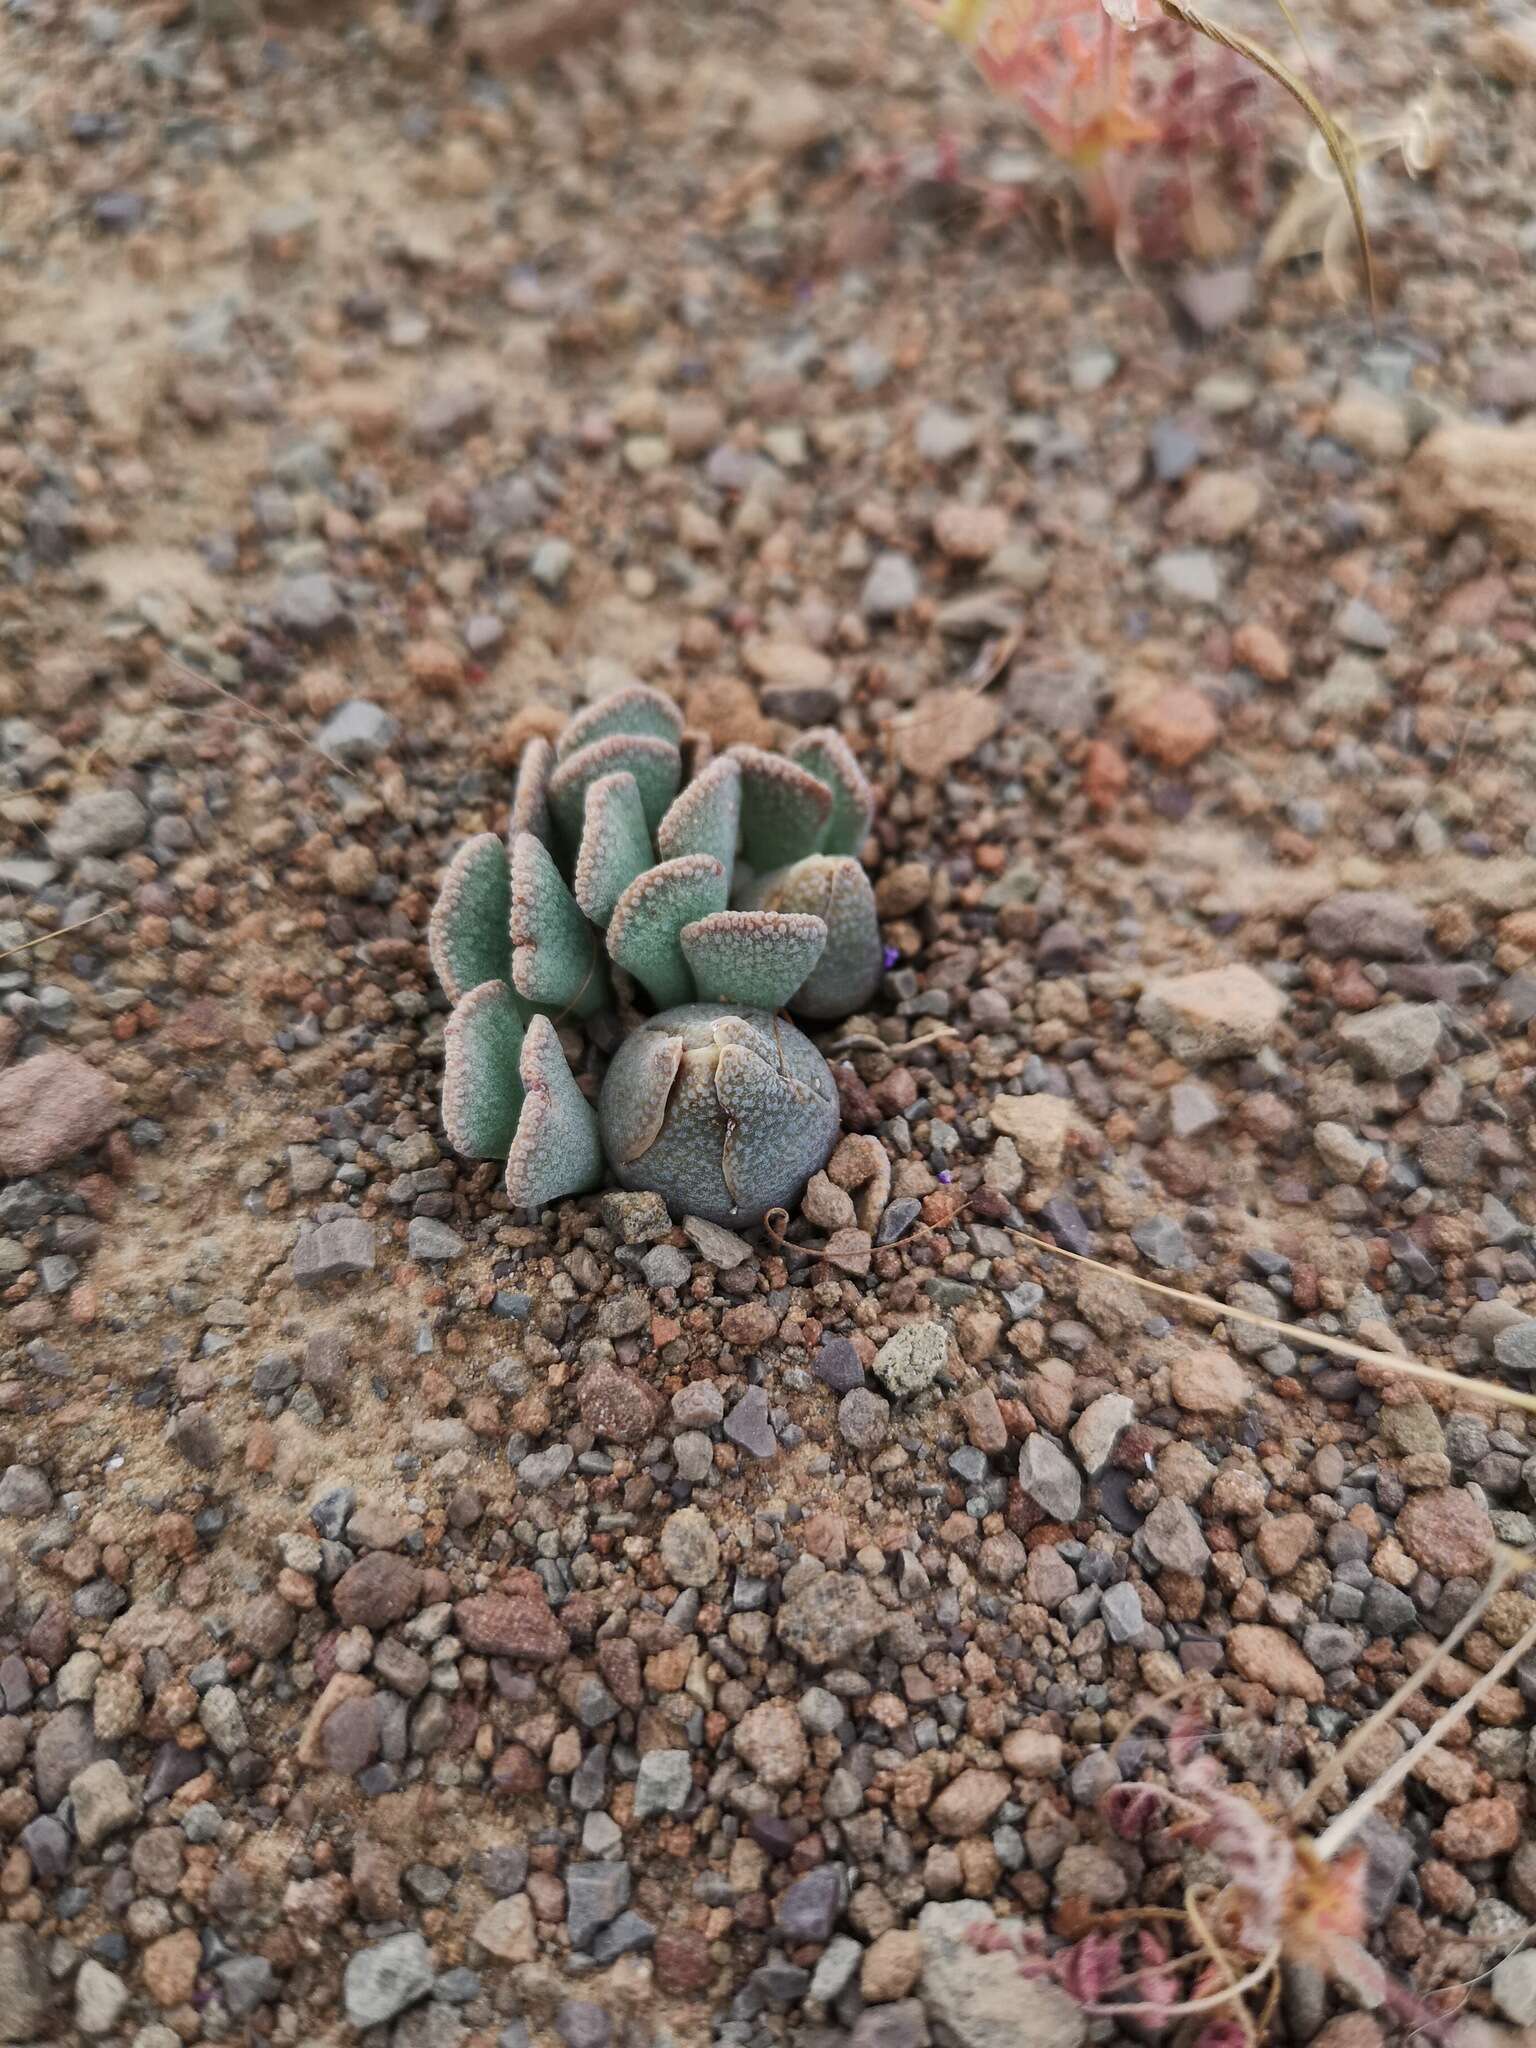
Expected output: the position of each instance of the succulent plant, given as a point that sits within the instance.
(721, 899)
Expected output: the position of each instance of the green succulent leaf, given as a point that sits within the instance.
(825, 754)
(655, 764)
(615, 846)
(468, 937)
(556, 1150)
(530, 794)
(482, 1091)
(636, 709)
(835, 888)
(705, 817)
(784, 809)
(557, 964)
(755, 957)
(644, 931)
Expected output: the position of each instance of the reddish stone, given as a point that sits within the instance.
(377, 1590)
(681, 1960)
(498, 1625)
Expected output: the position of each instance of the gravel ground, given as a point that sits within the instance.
(469, 1628)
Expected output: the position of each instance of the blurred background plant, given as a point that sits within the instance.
(1161, 117)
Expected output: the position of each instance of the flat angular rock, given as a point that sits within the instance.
(830, 1619)
(105, 821)
(338, 1250)
(1217, 1013)
(503, 1625)
(1050, 1479)
(981, 2001)
(383, 1980)
(912, 1359)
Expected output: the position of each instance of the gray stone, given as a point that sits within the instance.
(1172, 1539)
(1121, 1609)
(1514, 1988)
(1389, 1043)
(104, 1802)
(663, 1783)
(100, 1997)
(629, 1935)
(1192, 1109)
(309, 607)
(944, 435)
(689, 1548)
(863, 1418)
(595, 1893)
(1050, 1478)
(245, 1983)
(912, 1359)
(541, 1470)
(383, 1980)
(890, 588)
(748, 1424)
(25, 1493)
(1332, 1647)
(637, 1218)
(102, 822)
(835, 1968)
(552, 563)
(1189, 576)
(338, 1250)
(665, 1266)
(808, 1908)
(582, 2024)
(1388, 1610)
(1375, 924)
(1161, 1240)
(1515, 1347)
(359, 732)
(903, 2024)
(981, 2001)
(65, 1744)
(429, 1240)
(828, 1619)
(24, 1993)
(722, 1247)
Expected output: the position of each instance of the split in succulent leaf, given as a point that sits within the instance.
(644, 931)
(468, 937)
(756, 957)
(784, 809)
(748, 1111)
(615, 846)
(655, 764)
(482, 1051)
(556, 1150)
(556, 961)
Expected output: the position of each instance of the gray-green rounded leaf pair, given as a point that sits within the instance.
(725, 898)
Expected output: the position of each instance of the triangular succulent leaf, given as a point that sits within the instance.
(705, 817)
(556, 1150)
(615, 846)
(482, 1087)
(557, 962)
(825, 754)
(467, 936)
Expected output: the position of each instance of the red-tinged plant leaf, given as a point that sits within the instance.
(1221, 2034)
(1260, 1861)
(1132, 1810)
(1089, 1969)
(1155, 1985)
